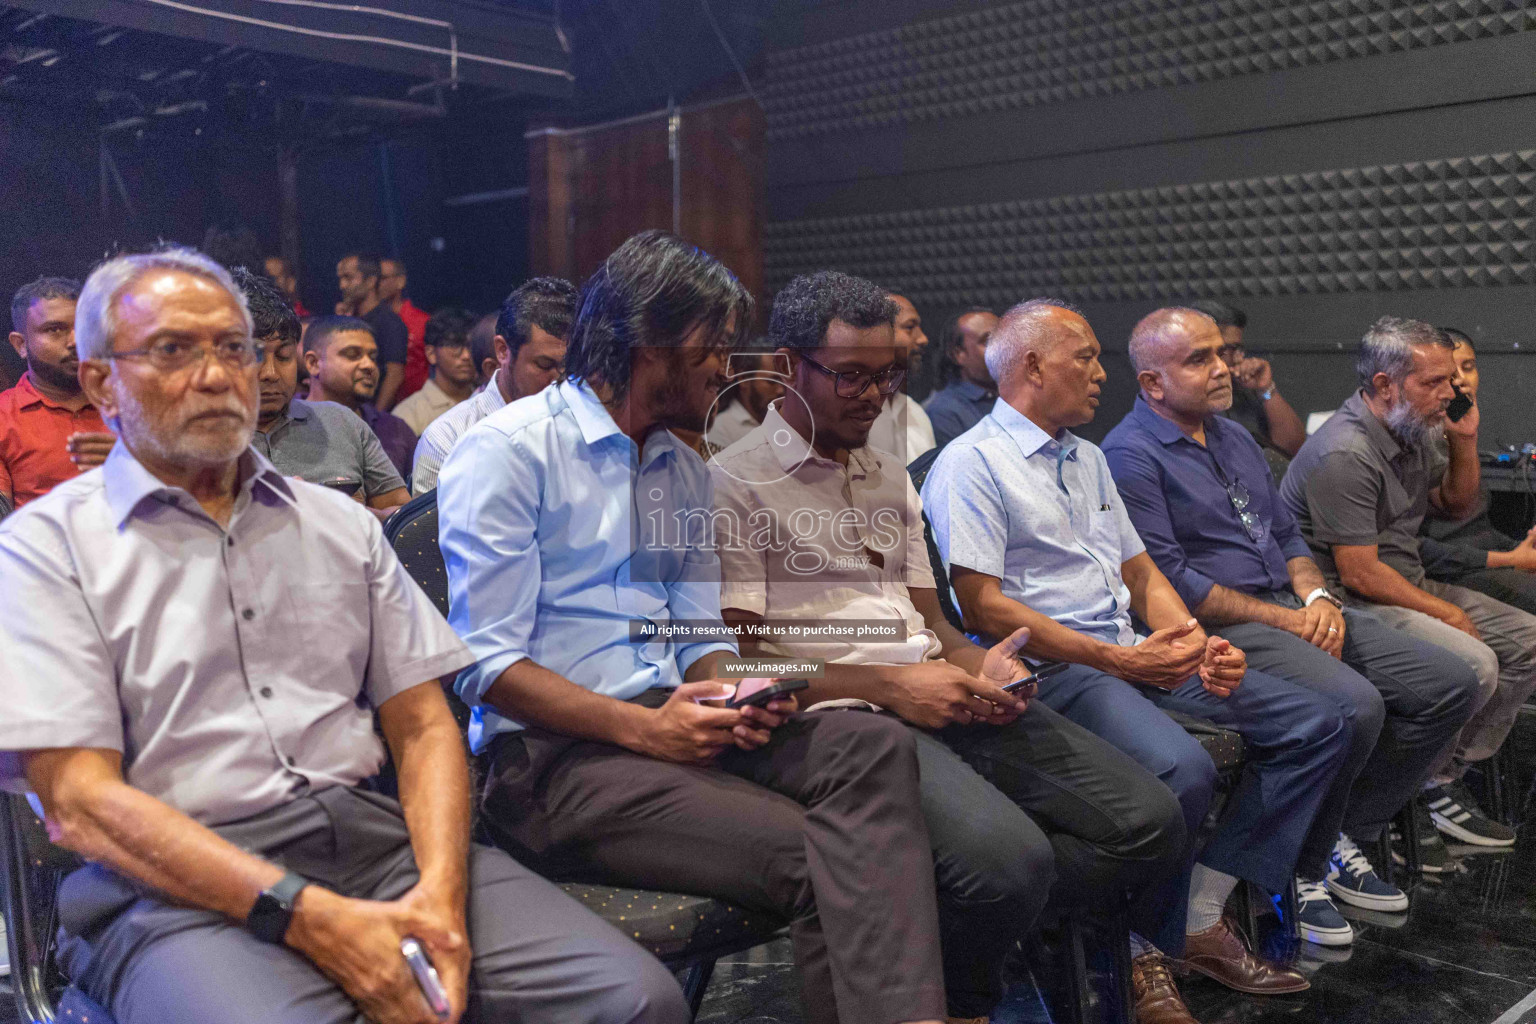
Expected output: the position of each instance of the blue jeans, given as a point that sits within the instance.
(1297, 741)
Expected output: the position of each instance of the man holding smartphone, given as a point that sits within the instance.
(1468, 550)
(596, 638)
(1360, 489)
(195, 649)
(1020, 802)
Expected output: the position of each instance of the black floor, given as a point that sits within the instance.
(1465, 953)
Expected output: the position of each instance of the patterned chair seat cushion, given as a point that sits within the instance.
(674, 926)
(1224, 745)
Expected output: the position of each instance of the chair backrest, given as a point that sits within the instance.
(918, 470)
(412, 532)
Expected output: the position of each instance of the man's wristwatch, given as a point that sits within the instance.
(1322, 594)
(1267, 393)
(269, 916)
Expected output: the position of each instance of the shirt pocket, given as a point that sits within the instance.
(335, 628)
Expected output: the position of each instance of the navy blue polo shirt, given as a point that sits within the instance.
(1175, 496)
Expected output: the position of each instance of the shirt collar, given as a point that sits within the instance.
(1381, 438)
(971, 391)
(793, 451)
(1161, 427)
(31, 396)
(1028, 436)
(127, 482)
(594, 419)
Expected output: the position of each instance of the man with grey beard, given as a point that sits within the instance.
(1360, 488)
(194, 653)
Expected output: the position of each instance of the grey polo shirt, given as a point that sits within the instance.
(326, 443)
(1355, 484)
(233, 668)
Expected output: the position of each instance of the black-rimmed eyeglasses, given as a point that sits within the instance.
(852, 384)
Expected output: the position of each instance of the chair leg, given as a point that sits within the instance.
(696, 983)
(1081, 1010)
(1408, 828)
(1383, 859)
(1290, 910)
(1119, 934)
(24, 935)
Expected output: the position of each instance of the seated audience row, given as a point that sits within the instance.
(207, 735)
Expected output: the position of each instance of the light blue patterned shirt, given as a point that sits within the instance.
(1042, 515)
(545, 513)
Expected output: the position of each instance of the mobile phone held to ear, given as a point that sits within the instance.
(759, 692)
(1460, 405)
(1043, 672)
(432, 989)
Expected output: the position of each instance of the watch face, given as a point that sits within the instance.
(268, 919)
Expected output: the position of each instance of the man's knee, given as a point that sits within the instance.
(652, 996)
(856, 744)
(1190, 777)
(1155, 829)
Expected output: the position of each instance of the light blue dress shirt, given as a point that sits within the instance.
(558, 534)
(1042, 515)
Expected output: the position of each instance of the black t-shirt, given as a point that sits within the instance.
(389, 333)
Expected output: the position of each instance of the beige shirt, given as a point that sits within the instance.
(902, 428)
(233, 668)
(424, 406)
(826, 521)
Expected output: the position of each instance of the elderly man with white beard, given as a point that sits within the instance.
(1360, 488)
(193, 654)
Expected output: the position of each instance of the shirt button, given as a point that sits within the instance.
(291, 760)
(230, 541)
(266, 691)
(248, 614)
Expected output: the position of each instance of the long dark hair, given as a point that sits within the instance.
(653, 291)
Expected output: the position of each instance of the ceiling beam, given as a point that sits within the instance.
(431, 39)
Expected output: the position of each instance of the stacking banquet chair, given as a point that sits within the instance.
(687, 933)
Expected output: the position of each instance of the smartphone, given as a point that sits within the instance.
(1460, 405)
(426, 977)
(758, 692)
(1043, 672)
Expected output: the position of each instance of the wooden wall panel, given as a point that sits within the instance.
(593, 187)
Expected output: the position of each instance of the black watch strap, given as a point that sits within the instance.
(273, 909)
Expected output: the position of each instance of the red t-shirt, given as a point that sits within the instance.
(415, 351)
(33, 434)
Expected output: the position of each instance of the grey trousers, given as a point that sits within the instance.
(1504, 660)
(822, 827)
(538, 954)
(1406, 700)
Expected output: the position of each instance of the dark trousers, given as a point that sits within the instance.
(1013, 809)
(1404, 700)
(538, 954)
(822, 827)
(1296, 741)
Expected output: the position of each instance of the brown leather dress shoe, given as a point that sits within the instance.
(1157, 997)
(1220, 954)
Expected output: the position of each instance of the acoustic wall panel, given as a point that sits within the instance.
(1018, 55)
(1453, 223)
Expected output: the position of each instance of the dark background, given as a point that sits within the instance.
(1317, 164)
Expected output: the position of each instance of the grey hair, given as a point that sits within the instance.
(96, 312)
(1020, 330)
(1388, 345)
(1153, 334)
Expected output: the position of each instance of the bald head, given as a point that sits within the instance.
(1177, 356)
(1163, 334)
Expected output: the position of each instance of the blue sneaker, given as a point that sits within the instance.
(1352, 879)
(1319, 919)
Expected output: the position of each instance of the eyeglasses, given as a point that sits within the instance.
(173, 354)
(852, 384)
(1238, 495)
